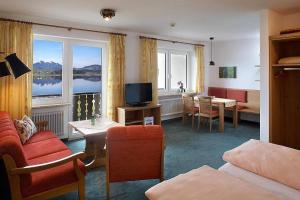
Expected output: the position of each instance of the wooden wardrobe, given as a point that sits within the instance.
(284, 92)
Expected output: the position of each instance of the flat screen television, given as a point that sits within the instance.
(138, 94)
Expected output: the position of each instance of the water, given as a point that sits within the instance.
(52, 85)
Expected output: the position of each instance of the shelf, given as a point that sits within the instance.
(286, 37)
(287, 65)
(257, 80)
(134, 122)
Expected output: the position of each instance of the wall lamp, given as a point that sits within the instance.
(17, 67)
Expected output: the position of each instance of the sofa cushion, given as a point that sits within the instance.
(51, 178)
(25, 128)
(238, 95)
(217, 92)
(42, 148)
(41, 136)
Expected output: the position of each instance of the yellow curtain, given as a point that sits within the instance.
(199, 51)
(115, 83)
(148, 64)
(15, 94)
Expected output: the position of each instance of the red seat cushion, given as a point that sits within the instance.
(51, 178)
(41, 136)
(42, 148)
(238, 95)
(217, 92)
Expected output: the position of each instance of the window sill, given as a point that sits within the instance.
(50, 105)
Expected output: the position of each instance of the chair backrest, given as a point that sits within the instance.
(205, 104)
(134, 153)
(188, 103)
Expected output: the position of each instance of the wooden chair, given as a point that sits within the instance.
(206, 110)
(134, 153)
(189, 107)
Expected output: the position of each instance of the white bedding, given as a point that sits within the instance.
(282, 191)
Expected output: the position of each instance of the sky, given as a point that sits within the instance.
(52, 51)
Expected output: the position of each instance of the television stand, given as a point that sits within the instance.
(129, 115)
(138, 105)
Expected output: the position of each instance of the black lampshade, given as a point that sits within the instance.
(17, 66)
(212, 63)
(3, 69)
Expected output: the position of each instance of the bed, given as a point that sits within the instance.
(282, 191)
(254, 170)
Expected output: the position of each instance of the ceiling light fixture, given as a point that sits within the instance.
(211, 63)
(107, 13)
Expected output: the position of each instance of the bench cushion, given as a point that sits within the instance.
(238, 95)
(51, 178)
(41, 136)
(217, 92)
(42, 148)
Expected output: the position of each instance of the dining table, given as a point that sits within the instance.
(223, 104)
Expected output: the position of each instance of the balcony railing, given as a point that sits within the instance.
(86, 105)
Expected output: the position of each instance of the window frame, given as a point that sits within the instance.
(168, 75)
(67, 71)
(166, 69)
(50, 100)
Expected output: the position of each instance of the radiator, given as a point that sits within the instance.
(55, 121)
(171, 107)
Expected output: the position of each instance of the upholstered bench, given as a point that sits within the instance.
(43, 167)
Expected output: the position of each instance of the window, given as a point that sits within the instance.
(87, 83)
(178, 70)
(69, 71)
(162, 64)
(172, 68)
(47, 68)
(86, 69)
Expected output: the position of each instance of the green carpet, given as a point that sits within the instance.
(186, 149)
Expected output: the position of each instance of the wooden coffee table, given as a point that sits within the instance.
(95, 138)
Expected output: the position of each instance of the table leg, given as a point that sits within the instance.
(95, 142)
(221, 117)
(235, 116)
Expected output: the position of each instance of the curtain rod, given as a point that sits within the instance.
(173, 41)
(65, 27)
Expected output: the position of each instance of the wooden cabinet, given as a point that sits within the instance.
(284, 92)
(136, 115)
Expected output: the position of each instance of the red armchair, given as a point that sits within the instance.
(134, 153)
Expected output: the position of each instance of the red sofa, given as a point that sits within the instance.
(43, 167)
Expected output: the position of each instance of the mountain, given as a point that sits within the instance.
(89, 68)
(47, 66)
(53, 68)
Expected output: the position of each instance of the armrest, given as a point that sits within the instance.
(41, 125)
(40, 167)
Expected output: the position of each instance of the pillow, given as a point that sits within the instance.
(290, 60)
(25, 128)
(269, 160)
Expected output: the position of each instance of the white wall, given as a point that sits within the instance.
(244, 54)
